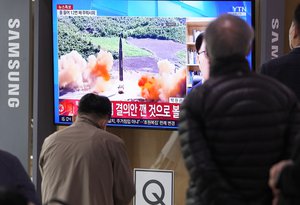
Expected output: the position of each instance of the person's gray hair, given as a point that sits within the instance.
(228, 36)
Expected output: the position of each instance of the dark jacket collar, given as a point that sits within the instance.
(229, 65)
(295, 51)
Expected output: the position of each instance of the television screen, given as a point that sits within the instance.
(140, 54)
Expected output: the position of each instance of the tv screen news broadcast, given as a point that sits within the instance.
(139, 54)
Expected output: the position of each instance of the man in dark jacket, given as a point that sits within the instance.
(14, 178)
(236, 125)
(285, 179)
(286, 69)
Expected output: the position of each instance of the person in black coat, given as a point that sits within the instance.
(286, 69)
(284, 179)
(14, 178)
(12, 197)
(236, 125)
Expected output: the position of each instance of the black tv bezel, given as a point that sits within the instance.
(253, 68)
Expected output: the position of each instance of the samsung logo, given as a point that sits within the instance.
(239, 11)
(13, 63)
(275, 38)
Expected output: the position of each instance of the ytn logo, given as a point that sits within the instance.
(239, 9)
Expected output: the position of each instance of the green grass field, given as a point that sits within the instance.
(182, 56)
(112, 44)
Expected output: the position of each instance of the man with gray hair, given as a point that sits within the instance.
(236, 125)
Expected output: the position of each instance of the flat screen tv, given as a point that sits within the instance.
(137, 53)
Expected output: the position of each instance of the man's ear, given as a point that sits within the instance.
(74, 117)
(102, 123)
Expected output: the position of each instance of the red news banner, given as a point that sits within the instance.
(130, 110)
(153, 111)
(64, 6)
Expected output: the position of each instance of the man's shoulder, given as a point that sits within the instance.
(108, 136)
(280, 61)
(276, 88)
(53, 137)
(54, 134)
(9, 161)
(6, 156)
(254, 81)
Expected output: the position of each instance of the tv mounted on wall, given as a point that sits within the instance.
(138, 53)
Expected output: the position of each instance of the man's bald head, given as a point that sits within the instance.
(228, 36)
